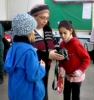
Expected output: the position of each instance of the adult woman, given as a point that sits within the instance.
(44, 39)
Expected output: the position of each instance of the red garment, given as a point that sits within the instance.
(78, 56)
(60, 84)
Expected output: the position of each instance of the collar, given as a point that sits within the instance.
(69, 38)
(23, 38)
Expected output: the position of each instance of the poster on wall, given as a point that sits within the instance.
(86, 13)
(73, 1)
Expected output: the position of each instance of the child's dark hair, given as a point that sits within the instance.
(68, 25)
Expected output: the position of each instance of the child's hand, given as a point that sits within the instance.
(77, 73)
(42, 63)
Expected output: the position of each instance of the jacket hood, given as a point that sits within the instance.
(14, 55)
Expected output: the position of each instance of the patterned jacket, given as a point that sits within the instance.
(44, 45)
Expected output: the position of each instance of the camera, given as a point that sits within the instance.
(63, 52)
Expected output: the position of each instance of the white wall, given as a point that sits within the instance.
(2, 10)
(16, 6)
(9, 8)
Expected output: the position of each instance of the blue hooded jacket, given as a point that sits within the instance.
(25, 73)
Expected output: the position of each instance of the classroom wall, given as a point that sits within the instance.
(8, 8)
(64, 13)
(2, 10)
(15, 6)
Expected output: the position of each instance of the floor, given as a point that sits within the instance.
(87, 89)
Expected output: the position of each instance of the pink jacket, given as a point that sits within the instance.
(81, 76)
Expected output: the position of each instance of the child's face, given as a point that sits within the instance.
(64, 33)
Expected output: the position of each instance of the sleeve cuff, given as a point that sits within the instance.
(79, 72)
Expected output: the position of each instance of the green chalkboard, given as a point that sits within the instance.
(71, 12)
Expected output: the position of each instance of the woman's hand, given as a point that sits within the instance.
(42, 63)
(55, 56)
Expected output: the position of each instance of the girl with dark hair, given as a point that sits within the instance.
(76, 65)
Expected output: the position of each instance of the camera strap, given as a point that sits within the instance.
(54, 83)
(58, 82)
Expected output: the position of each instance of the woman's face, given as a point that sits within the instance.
(64, 33)
(42, 20)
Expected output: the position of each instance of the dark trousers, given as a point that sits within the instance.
(1, 70)
(45, 80)
(72, 89)
(1, 59)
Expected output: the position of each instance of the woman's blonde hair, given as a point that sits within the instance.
(31, 37)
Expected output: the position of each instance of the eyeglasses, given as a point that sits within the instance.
(43, 18)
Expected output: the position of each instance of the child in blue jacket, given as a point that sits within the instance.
(22, 65)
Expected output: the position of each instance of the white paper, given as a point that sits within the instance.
(86, 14)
